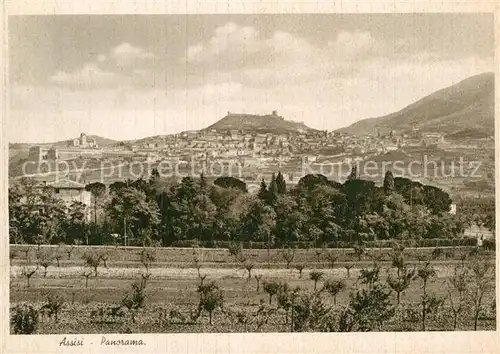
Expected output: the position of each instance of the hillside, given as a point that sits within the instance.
(467, 105)
(269, 123)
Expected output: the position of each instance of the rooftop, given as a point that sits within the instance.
(69, 184)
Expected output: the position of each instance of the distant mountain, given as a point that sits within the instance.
(466, 106)
(100, 141)
(269, 123)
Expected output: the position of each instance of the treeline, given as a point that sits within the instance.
(316, 211)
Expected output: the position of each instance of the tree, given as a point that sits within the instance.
(300, 267)
(368, 309)
(53, 305)
(334, 287)
(211, 298)
(359, 251)
(348, 268)
(271, 288)
(401, 282)
(148, 257)
(388, 183)
(249, 266)
(482, 276)
(45, 260)
(354, 173)
(332, 259)
(319, 252)
(135, 300)
(316, 276)
(280, 183)
(426, 272)
(28, 272)
(272, 192)
(258, 278)
(231, 182)
(93, 260)
(97, 189)
(369, 276)
(130, 206)
(288, 256)
(87, 272)
(24, 319)
(262, 194)
(457, 284)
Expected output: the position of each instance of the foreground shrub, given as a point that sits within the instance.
(24, 320)
(211, 298)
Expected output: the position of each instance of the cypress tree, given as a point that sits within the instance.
(263, 190)
(388, 183)
(280, 183)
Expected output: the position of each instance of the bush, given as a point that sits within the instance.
(24, 320)
(489, 244)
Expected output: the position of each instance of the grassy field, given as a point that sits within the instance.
(172, 288)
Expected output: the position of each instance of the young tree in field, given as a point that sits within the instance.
(12, 255)
(28, 272)
(285, 299)
(27, 251)
(93, 260)
(426, 272)
(235, 249)
(104, 258)
(359, 251)
(58, 257)
(348, 268)
(334, 287)
(69, 250)
(135, 300)
(211, 298)
(144, 281)
(148, 257)
(436, 253)
(316, 276)
(87, 272)
(332, 259)
(457, 284)
(319, 252)
(249, 266)
(288, 256)
(45, 260)
(369, 276)
(24, 319)
(300, 267)
(197, 262)
(271, 288)
(258, 278)
(368, 309)
(401, 282)
(97, 189)
(53, 306)
(482, 280)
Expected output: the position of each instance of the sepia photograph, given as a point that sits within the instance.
(250, 173)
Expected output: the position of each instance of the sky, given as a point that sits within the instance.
(132, 76)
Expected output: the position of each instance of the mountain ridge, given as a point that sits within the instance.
(468, 104)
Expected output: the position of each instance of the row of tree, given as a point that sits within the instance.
(316, 210)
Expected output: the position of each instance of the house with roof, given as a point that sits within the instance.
(71, 191)
(480, 233)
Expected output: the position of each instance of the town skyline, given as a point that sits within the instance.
(167, 74)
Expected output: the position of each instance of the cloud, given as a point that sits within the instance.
(86, 77)
(126, 55)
